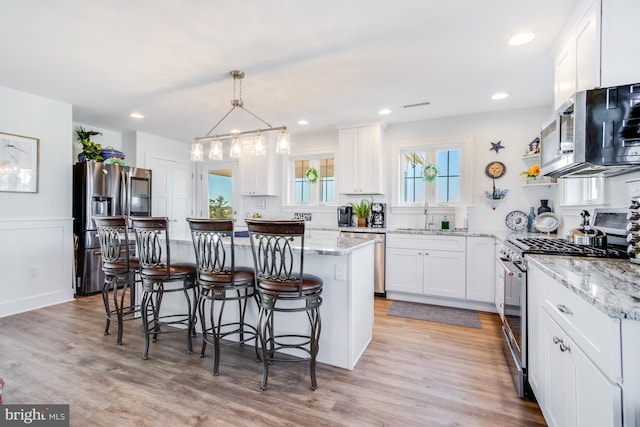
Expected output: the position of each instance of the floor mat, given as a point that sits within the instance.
(435, 313)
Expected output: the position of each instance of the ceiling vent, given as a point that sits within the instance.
(419, 104)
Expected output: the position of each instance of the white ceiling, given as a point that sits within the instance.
(332, 62)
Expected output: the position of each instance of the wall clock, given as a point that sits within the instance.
(495, 170)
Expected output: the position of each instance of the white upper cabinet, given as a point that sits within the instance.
(620, 48)
(360, 161)
(577, 64)
(258, 173)
(600, 50)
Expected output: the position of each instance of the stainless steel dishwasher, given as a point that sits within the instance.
(378, 257)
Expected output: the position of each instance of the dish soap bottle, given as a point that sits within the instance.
(445, 223)
(532, 216)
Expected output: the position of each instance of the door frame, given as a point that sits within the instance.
(202, 191)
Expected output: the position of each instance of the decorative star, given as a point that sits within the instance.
(496, 146)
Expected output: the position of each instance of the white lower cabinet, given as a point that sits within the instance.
(432, 265)
(480, 268)
(573, 360)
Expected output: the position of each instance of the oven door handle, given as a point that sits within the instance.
(510, 268)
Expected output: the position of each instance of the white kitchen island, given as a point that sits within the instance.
(345, 266)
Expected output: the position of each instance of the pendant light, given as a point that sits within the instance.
(196, 152)
(215, 151)
(259, 148)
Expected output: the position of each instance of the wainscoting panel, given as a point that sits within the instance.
(36, 263)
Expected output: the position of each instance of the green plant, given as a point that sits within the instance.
(219, 208)
(92, 150)
(362, 209)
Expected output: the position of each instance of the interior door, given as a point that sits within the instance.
(172, 195)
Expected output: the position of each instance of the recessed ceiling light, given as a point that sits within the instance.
(499, 95)
(136, 116)
(303, 122)
(521, 38)
(384, 112)
(234, 131)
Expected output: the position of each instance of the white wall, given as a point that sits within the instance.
(515, 129)
(36, 237)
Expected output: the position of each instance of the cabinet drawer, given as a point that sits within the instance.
(432, 242)
(597, 334)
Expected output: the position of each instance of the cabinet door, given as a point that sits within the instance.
(598, 401)
(360, 160)
(620, 59)
(257, 173)
(404, 270)
(349, 159)
(565, 74)
(559, 396)
(444, 273)
(480, 269)
(587, 53)
(369, 160)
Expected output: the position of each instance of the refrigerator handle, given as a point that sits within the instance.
(126, 209)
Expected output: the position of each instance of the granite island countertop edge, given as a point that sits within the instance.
(610, 285)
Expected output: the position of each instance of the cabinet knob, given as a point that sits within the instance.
(564, 347)
(556, 340)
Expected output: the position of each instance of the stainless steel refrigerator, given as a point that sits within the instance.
(103, 190)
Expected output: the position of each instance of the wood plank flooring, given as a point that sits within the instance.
(414, 373)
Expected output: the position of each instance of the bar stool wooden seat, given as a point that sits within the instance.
(120, 270)
(159, 277)
(221, 281)
(283, 288)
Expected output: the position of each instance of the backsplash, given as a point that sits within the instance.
(302, 215)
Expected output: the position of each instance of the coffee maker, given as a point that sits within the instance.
(377, 215)
(344, 216)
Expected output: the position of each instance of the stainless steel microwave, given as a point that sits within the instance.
(596, 133)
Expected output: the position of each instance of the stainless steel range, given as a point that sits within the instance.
(512, 271)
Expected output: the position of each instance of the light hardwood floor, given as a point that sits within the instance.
(414, 373)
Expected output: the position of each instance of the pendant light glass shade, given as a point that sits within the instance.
(236, 148)
(215, 152)
(259, 149)
(283, 146)
(196, 152)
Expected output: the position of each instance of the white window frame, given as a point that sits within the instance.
(289, 179)
(580, 192)
(462, 143)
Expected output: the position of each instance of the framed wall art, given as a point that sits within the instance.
(19, 162)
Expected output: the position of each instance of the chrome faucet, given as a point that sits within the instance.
(427, 225)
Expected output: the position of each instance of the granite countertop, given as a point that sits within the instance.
(315, 245)
(610, 285)
(409, 230)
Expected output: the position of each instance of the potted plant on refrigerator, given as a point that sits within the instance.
(362, 210)
(90, 150)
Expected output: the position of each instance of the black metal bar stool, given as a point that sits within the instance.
(220, 281)
(283, 287)
(159, 275)
(120, 269)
